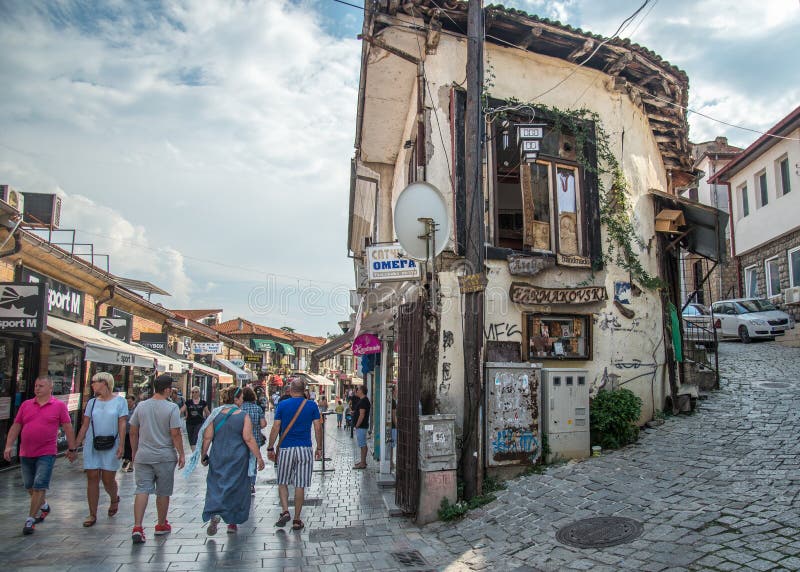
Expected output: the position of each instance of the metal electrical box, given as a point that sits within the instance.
(513, 430)
(437, 442)
(565, 412)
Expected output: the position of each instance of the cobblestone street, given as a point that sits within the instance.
(716, 490)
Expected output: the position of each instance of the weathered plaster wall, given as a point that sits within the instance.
(628, 351)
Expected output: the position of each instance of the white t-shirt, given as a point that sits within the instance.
(566, 192)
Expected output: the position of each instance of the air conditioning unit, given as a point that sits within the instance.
(42, 210)
(13, 197)
(792, 295)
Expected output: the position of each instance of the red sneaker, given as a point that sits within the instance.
(163, 528)
(137, 536)
(232, 529)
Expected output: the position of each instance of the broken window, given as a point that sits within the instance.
(542, 206)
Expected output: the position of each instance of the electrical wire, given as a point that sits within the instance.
(348, 4)
(213, 262)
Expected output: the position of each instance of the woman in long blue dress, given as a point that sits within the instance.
(105, 414)
(230, 438)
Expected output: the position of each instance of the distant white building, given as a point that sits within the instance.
(764, 188)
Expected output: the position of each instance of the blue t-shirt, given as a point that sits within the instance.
(300, 433)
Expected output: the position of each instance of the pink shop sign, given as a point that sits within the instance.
(366, 344)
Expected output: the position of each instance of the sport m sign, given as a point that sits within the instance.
(22, 307)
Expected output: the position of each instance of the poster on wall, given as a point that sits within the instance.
(22, 307)
(513, 427)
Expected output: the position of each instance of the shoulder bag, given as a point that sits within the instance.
(288, 427)
(101, 442)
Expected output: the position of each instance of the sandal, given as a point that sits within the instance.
(113, 507)
(283, 519)
(359, 466)
(298, 525)
(90, 521)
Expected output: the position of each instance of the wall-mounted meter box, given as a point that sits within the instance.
(565, 412)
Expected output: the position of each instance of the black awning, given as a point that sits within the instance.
(336, 346)
(705, 225)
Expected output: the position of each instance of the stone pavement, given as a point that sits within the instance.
(716, 490)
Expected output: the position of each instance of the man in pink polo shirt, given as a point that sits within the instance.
(38, 420)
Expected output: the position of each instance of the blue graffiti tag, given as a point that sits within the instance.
(515, 441)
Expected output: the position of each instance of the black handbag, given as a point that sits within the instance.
(101, 442)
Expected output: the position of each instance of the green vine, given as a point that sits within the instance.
(587, 127)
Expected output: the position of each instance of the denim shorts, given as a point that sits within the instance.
(361, 435)
(36, 471)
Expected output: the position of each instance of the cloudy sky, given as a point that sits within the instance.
(205, 144)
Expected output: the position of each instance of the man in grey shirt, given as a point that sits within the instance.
(157, 446)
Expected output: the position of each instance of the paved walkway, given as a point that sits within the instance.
(717, 490)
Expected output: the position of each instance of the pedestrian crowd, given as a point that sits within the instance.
(147, 439)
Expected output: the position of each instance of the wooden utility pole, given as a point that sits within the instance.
(473, 300)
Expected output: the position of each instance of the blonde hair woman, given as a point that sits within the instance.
(104, 419)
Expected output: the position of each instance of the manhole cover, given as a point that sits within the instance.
(600, 532)
(312, 502)
(776, 385)
(410, 558)
(330, 534)
(271, 482)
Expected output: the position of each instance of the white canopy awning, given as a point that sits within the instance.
(240, 374)
(100, 347)
(166, 364)
(315, 379)
(356, 381)
(202, 368)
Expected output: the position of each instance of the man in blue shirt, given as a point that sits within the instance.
(295, 415)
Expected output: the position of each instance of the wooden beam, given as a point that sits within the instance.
(619, 64)
(587, 47)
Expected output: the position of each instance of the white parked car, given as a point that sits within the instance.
(697, 326)
(750, 318)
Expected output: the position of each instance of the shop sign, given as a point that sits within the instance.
(527, 294)
(390, 263)
(238, 363)
(5, 408)
(529, 265)
(22, 307)
(207, 348)
(574, 260)
(115, 327)
(253, 358)
(155, 342)
(366, 344)
(472, 283)
(71, 400)
(62, 301)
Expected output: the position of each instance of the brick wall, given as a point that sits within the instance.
(778, 247)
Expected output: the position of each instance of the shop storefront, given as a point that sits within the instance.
(209, 380)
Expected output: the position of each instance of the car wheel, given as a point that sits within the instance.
(744, 335)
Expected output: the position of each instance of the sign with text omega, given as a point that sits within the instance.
(22, 307)
(388, 263)
(62, 301)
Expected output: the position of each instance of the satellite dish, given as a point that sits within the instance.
(421, 201)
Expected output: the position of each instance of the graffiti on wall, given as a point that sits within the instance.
(515, 440)
(502, 331)
(512, 416)
(608, 321)
(446, 379)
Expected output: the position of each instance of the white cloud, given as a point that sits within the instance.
(219, 130)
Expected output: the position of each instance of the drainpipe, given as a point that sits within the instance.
(102, 300)
(17, 244)
(733, 241)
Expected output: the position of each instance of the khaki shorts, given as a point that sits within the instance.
(158, 478)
